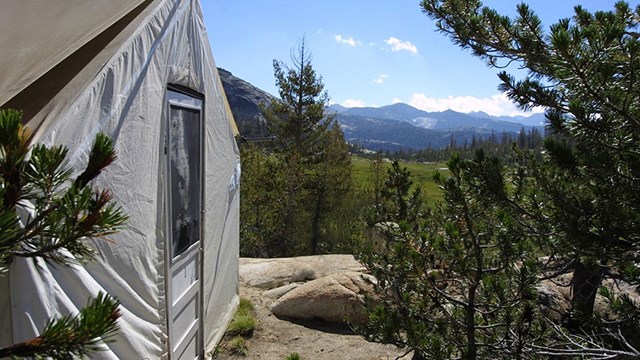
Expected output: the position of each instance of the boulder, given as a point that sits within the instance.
(554, 297)
(272, 273)
(338, 297)
(379, 234)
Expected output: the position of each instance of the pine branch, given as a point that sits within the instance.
(43, 212)
(72, 336)
(102, 154)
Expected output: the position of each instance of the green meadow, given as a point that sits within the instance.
(421, 175)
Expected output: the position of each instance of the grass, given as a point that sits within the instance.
(421, 175)
(293, 356)
(239, 330)
(238, 346)
(245, 306)
(243, 322)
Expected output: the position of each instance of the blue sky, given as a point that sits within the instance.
(369, 53)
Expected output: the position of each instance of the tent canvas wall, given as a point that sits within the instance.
(142, 72)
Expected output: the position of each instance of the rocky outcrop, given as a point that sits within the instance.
(333, 288)
(328, 287)
(554, 296)
(244, 101)
(272, 273)
(280, 291)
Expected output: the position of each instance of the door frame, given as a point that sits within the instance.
(179, 259)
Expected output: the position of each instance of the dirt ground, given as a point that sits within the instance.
(275, 338)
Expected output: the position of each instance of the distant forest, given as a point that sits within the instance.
(495, 144)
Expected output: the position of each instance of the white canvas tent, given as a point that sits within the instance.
(142, 72)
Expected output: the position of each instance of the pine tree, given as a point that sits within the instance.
(297, 118)
(583, 72)
(45, 213)
(458, 281)
(577, 202)
(263, 204)
(398, 203)
(329, 184)
(314, 155)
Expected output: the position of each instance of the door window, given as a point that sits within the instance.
(184, 155)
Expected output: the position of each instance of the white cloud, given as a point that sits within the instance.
(496, 105)
(399, 45)
(353, 103)
(346, 40)
(380, 79)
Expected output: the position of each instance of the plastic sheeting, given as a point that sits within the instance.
(126, 100)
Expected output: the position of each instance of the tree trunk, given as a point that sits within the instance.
(471, 350)
(585, 284)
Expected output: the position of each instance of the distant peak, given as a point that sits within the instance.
(479, 113)
(401, 105)
(337, 108)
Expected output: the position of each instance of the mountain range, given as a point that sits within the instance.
(391, 127)
(401, 126)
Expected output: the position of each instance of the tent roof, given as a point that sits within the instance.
(38, 35)
(46, 44)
